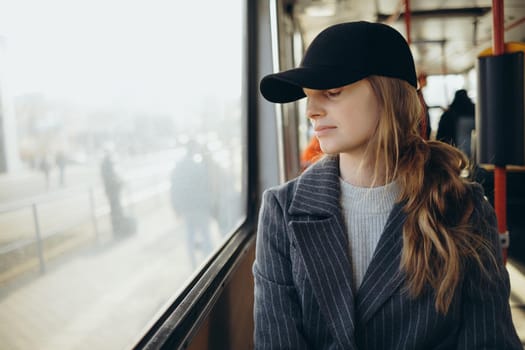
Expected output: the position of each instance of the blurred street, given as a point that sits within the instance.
(97, 291)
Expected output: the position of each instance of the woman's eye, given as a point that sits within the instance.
(333, 93)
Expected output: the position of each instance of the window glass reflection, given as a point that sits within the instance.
(121, 168)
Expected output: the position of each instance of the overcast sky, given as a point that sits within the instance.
(141, 54)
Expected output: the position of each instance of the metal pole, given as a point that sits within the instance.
(38, 239)
(276, 63)
(444, 72)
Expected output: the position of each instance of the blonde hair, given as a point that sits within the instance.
(437, 235)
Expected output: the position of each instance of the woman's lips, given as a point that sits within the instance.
(323, 129)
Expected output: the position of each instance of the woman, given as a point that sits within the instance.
(381, 244)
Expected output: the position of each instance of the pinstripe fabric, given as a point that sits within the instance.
(303, 294)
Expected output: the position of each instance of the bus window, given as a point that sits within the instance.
(121, 162)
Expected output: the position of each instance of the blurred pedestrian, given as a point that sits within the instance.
(191, 198)
(60, 160)
(45, 166)
(113, 184)
(457, 122)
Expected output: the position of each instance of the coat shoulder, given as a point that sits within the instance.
(283, 193)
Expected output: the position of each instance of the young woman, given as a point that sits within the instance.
(381, 244)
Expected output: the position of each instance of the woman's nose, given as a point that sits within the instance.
(313, 108)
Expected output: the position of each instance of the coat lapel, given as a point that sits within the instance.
(320, 237)
(382, 277)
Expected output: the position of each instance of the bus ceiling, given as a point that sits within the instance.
(446, 36)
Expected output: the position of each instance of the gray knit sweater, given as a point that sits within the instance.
(365, 211)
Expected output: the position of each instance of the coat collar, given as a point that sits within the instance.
(318, 189)
(320, 235)
(318, 231)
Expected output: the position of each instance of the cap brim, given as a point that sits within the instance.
(288, 86)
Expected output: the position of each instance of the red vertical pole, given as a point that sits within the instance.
(407, 20)
(500, 173)
(498, 46)
(500, 201)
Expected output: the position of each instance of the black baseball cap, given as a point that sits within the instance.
(343, 54)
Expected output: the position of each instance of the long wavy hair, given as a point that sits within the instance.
(437, 235)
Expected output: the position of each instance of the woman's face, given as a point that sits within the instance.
(345, 118)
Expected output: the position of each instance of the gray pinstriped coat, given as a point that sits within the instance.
(303, 294)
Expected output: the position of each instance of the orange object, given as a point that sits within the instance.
(311, 153)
